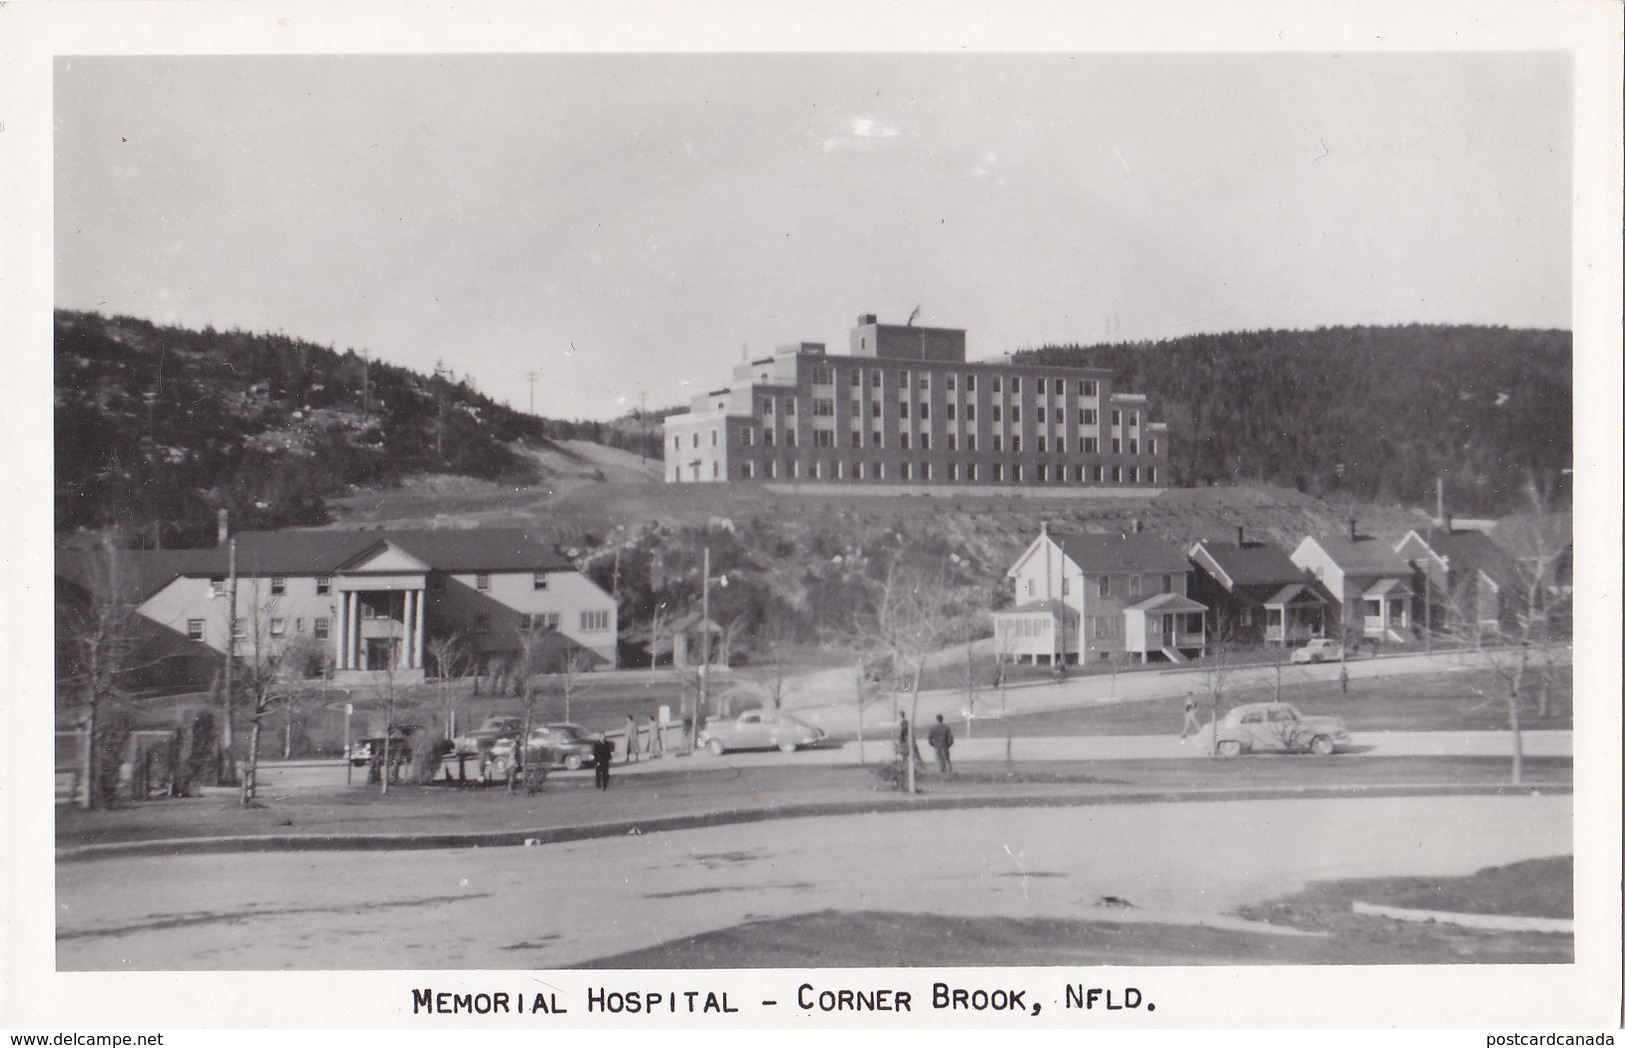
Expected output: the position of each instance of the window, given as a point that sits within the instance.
(1151, 447)
(998, 413)
(925, 442)
(953, 443)
(194, 629)
(970, 383)
(925, 409)
(1066, 585)
(908, 471)
(1015, 472)
(594, 621)
(998, 442)
(1040, 412)
(1060, 416)
(789, 438)
(970, 471)
(857, 471)
(482, 580)
(767, 437)
(482, 622)
(1117, 418)
(902, 380)
(745, 438)
(950, 382)
(694, 439)
(1086, 388)
(321, 628)
(1133, 475)
(998, 383)
(1015, 414)
(998, 471)
(1041, 444)
(1117, 474)
(279, 626)
(1134, 585)
(877, 441)
(1032, 587)
(1117, 446)
(795, 469)
(857, 438)
(953, 471)
(1015, 383)
(1151, 475)
(1167, 584)
(1091, 445)
(217, 586)
(951, 413)
(324, 584)
(538, 580)
(1043, 472)
(840, 471)
(970, 442)
(902, 441)
(1015, 443)
(925, 383)
(789, 405)
(1133, 447)
(970, 412)
(857, 408)
(279, 585)
(716, 470)
(677, 443)
(880, 471)
(1133, 419)
(1040, 386)
(857, 376)
(1105, 586)
(1060, 445)
(237, 629)
(747, 470)
(1100, 474)
(874, 407)
(773, 469)
(713, 438)
(823, 406)
(902, 409)
(824, 438)
(822, 375)
(1091, 417)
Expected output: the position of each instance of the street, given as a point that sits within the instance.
(563, 905)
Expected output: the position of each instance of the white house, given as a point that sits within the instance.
(1369, 583)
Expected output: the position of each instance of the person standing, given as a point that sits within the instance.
(1191, 723)
(906, 746)
(631, 739)
(654, 748)
(603, 751)
(941, 738)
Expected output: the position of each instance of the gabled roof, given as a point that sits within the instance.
(315, 551)
(1167, 602)
(1297, 593)
(1098, 554)
(1254, 564)
(1387, 588)
(1363, 556)
(1467, 552)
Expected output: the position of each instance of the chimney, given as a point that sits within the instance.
(1354, 528)
(1241, 536)
(1449, 522)
(865, 319)
(1139, 525)
(222, 526)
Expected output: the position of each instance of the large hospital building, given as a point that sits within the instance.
(905, 407)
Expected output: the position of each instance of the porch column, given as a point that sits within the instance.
(351, 628)
(417, 643)
(344, 630)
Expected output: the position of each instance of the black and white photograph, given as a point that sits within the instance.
(586, 518)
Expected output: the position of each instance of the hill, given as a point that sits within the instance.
(1366, 413)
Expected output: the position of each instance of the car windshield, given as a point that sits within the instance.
(571, 731)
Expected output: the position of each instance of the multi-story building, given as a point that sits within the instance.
(904, 406)
(371, 602)
(1083, 597)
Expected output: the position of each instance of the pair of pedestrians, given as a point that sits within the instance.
(941, 738)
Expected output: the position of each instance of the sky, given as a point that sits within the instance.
(626, 226)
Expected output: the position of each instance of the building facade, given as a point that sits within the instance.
(370, 602)
(1081, 597)
(904, 406)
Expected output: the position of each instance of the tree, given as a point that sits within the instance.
(913, 614)
(451, 658)
(101, 632)
(270, 666)
(566, 678)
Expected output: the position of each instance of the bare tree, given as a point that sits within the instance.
(913, 615)
(566, 680)
(270, 662)
(101, 642)
(451, 658)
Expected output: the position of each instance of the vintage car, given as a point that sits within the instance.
(1318, 649)
(566, 744)
(480, 739)
(1273, 727)
(759, 730)
(363, 751)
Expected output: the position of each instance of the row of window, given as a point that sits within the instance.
(826, 438)
(322, 628)
(1042, 472)
(1088, 421)
(824, 375)
(324, 583)
(1103, 585)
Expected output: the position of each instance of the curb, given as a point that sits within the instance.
(1486, 921)
(703, 820)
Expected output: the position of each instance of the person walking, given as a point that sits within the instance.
(906, 746)
(654, 749)
(603, 751)
(941, 738)
(631, 739)
(1191, 723)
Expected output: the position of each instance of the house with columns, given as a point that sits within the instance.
(367, 603)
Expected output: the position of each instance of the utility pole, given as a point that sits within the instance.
(643, 425)
(532, 376)
(705, 659)
(227, 742)
(366, 389)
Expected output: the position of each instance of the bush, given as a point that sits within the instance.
(107, 754)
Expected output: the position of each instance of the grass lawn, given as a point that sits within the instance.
(1462, 701)
(1337, 934)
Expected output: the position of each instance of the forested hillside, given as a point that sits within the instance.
(156, 427)
(1370, 414)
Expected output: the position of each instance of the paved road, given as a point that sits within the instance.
(561, 905)
(992, 747)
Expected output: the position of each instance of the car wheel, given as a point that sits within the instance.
(1322, 745)
(572, 762)
(1315, 659)
(1229, 748)
(716, 747)
(787, 747)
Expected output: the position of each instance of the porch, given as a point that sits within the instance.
(1169, 625)
(1293, 615)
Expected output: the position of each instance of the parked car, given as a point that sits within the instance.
(1274, 726)
(480, 739)
(1319, 649)
(362, 751)
(759, 730)
(566, 744)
